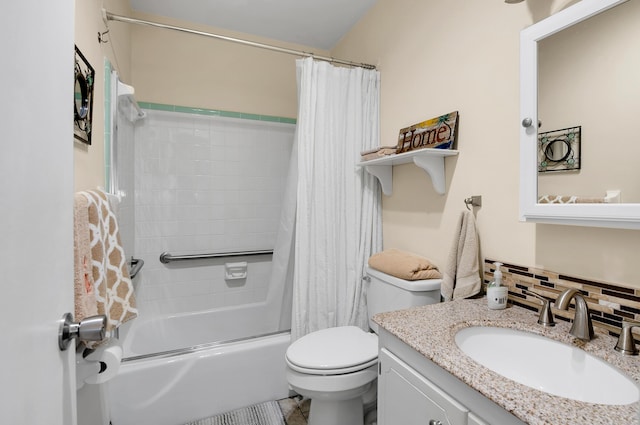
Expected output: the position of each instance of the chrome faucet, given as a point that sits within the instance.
(582, 327)
(626, 344)
(546, 316)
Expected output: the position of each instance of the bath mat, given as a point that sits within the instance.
(268, 413)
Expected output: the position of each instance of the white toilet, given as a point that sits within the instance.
(336, 367)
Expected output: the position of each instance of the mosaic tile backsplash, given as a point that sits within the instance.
(608, 303)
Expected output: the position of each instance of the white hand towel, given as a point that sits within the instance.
(462, 274)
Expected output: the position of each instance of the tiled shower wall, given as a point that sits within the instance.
(608, 303)
(206, 182)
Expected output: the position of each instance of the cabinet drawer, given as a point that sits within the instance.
(474, 420)
(408, 398)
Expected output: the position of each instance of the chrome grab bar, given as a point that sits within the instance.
(166, 258)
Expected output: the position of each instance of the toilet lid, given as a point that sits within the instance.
(342, 349)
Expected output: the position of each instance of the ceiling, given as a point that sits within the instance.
(312, 23)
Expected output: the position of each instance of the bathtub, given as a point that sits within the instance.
(177, 385)
(157, 334)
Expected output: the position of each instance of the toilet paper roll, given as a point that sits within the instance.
(109, 360)
(84, 369)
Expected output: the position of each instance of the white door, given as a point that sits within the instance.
(36, 210)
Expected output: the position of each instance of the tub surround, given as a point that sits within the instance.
(206, 181)
(430, 330)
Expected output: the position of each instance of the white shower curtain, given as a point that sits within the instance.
(338, 217)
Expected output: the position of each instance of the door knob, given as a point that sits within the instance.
(528, 122)
(92, 328)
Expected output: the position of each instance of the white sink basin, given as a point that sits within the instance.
(547, 365)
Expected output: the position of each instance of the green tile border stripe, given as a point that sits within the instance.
(214, 112)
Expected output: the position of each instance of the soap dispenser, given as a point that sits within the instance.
(496, 292)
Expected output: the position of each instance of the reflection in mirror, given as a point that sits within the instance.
(81, 97)
(588, 76)
(559, 150)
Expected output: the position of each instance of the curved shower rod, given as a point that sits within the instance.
(108, 16)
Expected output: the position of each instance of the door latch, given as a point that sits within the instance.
(92, 328)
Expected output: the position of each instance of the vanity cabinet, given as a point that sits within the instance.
(413, 390)
(409, 398)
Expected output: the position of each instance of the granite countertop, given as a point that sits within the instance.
(431, 330)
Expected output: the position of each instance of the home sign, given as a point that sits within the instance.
(435, 133)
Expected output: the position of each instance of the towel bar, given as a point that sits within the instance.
(166, 258)
(135, 265)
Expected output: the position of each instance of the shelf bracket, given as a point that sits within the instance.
(434, 167)
(384, 174)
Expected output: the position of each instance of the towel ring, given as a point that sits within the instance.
(474, 201)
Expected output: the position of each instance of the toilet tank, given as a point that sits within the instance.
(389, 293)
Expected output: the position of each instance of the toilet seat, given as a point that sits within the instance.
(333, 351)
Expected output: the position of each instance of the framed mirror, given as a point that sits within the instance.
(84, 76)
(578, 69)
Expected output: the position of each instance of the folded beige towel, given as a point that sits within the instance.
(85, 301)
(377, 152)
(404, 265)
(462, 275)
(374, 150)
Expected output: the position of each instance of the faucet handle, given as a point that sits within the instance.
(546, 316)
(626, 344)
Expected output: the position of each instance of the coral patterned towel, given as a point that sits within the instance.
(113, 287)
(84, 292)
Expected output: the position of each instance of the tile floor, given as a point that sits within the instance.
(295, 410)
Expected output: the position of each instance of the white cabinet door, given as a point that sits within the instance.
(406, 397)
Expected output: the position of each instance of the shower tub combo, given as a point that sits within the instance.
(173, 387)
(207, 340)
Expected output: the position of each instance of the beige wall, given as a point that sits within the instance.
(435, 56)
(188, 70)
(89, 160)
(438, 56)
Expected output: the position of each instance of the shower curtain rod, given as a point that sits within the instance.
(108, 16)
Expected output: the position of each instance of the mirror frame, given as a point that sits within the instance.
(623, 216)
(84, 75)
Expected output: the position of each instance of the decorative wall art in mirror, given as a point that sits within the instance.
(559, 150)
(83, 98)
(580, 65)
